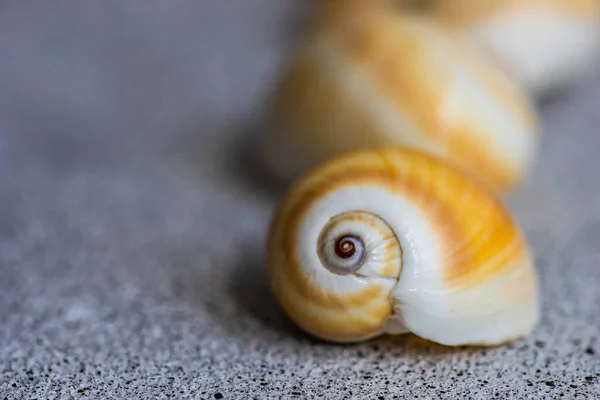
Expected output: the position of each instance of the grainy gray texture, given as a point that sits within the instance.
(131, 241)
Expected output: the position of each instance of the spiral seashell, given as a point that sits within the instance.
(395, 241)
(545, 44)
(397, 79)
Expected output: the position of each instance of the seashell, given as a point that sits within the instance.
(396, 79)
(390, 241)
(545, 44)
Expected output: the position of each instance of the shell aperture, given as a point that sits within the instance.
(423, 249)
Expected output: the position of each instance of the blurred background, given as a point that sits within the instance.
(131, 240)
(85, 83)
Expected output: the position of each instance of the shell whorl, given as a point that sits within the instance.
(441, 258)
(393, 79)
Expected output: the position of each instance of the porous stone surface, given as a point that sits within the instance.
(132, 233)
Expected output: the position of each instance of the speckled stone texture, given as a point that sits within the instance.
(131, 234)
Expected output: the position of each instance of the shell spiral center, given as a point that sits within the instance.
(357, 242)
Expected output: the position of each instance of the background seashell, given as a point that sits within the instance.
(396, 79)
(546, 44)
(392, 241)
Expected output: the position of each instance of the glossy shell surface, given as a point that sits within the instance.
(395, 241)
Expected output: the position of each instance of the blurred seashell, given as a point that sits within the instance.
(396, 79)
(545, 44)
(395, 241)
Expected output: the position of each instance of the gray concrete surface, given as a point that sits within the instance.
(131, 238)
